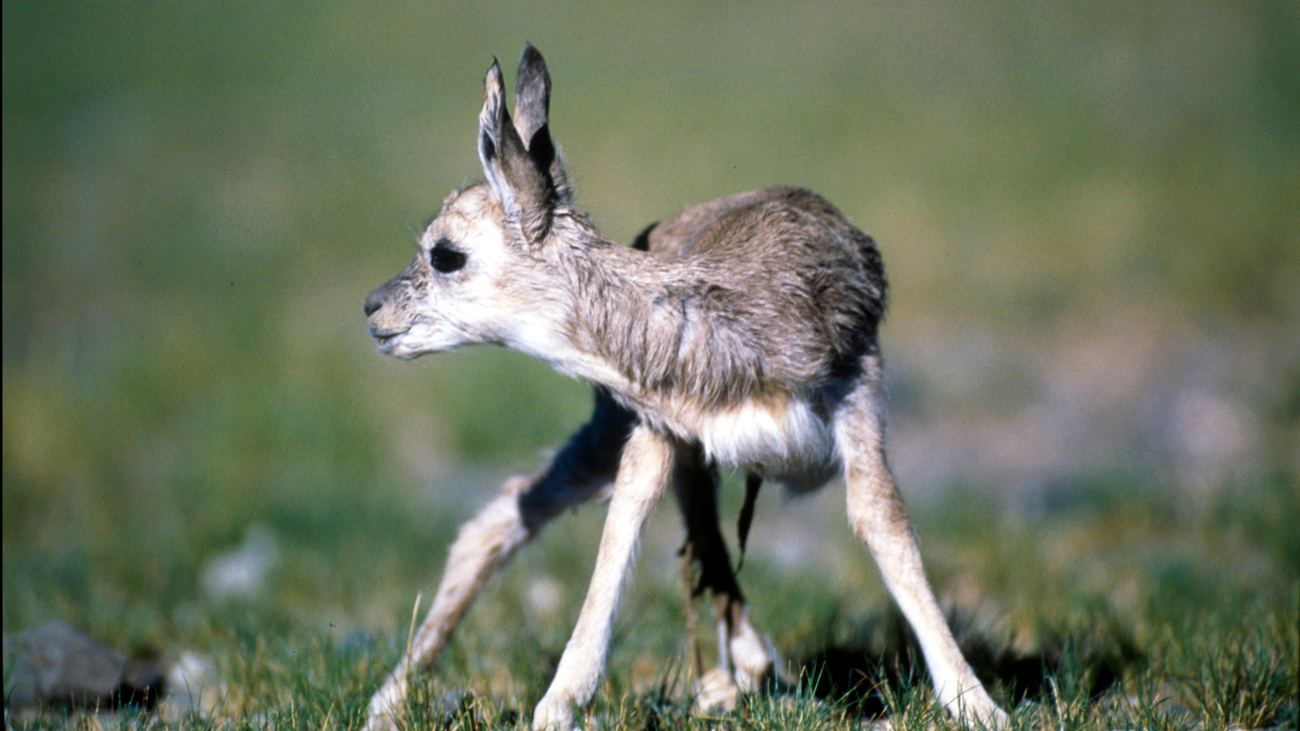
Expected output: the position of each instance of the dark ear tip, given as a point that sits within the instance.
(532, 58)
(493, 80)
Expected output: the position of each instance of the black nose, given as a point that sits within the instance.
(374, 302)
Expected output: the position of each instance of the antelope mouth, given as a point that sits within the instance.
(384, 338)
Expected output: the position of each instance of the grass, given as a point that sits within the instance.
(1097, 633)
(196, 202)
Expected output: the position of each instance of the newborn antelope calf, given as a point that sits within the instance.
(745, 337)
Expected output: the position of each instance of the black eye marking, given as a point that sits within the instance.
(444, 258)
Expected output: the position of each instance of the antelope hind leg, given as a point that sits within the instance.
(876, 512)
(744, 661)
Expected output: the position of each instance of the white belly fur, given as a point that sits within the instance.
(781, 438)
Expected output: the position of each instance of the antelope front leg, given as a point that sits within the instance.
(643, 474)
(581, 471)
(483, 544)
(878, 517)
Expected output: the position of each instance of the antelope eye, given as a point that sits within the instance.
(444, 259)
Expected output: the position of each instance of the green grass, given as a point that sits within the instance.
(1139, 621)
(196, 199)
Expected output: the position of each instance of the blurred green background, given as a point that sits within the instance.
(1090, 214)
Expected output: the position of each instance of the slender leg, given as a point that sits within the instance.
(483, 544)
(643, 474)
(878, 517)
(578, 473)
(743, 654)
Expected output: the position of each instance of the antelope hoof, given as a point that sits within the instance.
(716, 692)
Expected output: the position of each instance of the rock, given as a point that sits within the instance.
(451, 703)
(194, 689)
(54, 665)
(143, 683)
(241, 574)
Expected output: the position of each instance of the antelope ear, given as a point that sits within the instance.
(532, 118)
(532, 96)
(524, 188)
